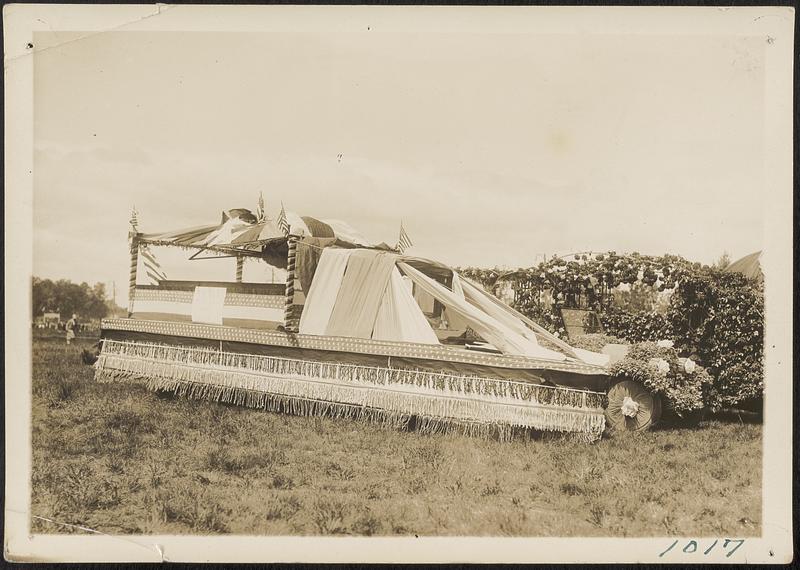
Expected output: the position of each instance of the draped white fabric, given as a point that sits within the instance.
(457, 288)
(494, 331)
(296, 223)
(360, 294)
(323, 291)
(423, 300)
(487, 300)
(590, 357)
(399, 316)
(455, 322)
(207, 305)
(478, 298)
(225, 232)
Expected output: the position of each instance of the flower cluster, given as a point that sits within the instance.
(681, 382)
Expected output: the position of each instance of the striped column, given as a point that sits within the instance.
(239, 268)
(291, 261)
(132, 277)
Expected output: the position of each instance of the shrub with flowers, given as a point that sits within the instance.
(584, 280)
(681, 382)
(719, 317)
(713, 316)
(716, 317)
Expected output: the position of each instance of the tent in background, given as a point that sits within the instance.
(749, 265)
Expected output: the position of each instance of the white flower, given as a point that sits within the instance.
(689, 366)
(629, 407)
(660, 364)
(665, 344)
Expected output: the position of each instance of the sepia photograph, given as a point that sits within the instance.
(475, 274)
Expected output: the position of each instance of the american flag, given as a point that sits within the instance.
(134, 221)
(151, 265)
(283, 223)
(403, 242)
(261, 214)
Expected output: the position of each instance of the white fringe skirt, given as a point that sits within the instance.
(439, 403)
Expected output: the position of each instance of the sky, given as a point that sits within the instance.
(493, 149)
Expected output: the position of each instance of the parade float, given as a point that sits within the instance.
(358, 330)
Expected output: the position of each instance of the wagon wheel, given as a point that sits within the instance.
(632, 407)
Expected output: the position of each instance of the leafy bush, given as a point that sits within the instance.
(587, 279)
(720, 317)
(636, 326)
(595, 341)
(713, 316)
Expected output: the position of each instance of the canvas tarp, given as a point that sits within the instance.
(749, 265)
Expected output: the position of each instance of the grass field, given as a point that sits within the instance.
(118, 459)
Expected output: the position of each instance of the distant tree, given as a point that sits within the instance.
(67, 298)
(723, 261)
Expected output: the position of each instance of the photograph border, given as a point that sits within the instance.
(774, 24)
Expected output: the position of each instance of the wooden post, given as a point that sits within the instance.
(239, 268)
(288, 313)
(132, 277)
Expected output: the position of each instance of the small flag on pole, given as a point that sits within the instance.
(151, 265)
(283, 223)
(403, 242)
(261, 214)
(134, 221)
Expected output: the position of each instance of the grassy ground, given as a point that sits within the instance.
(119, 459)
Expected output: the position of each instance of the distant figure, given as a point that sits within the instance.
(71, 326)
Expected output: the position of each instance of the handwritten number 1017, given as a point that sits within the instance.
(692, 546)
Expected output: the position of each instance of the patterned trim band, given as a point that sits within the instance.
(346, 344)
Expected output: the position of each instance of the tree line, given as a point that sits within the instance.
(68, 298)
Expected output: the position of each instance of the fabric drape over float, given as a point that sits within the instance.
(355, 293)
(321, 296)
(477, 298)
(360, 293)
(454, 321)
(578, 353)
(240, 230)
(494, 331)
(399, 317)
